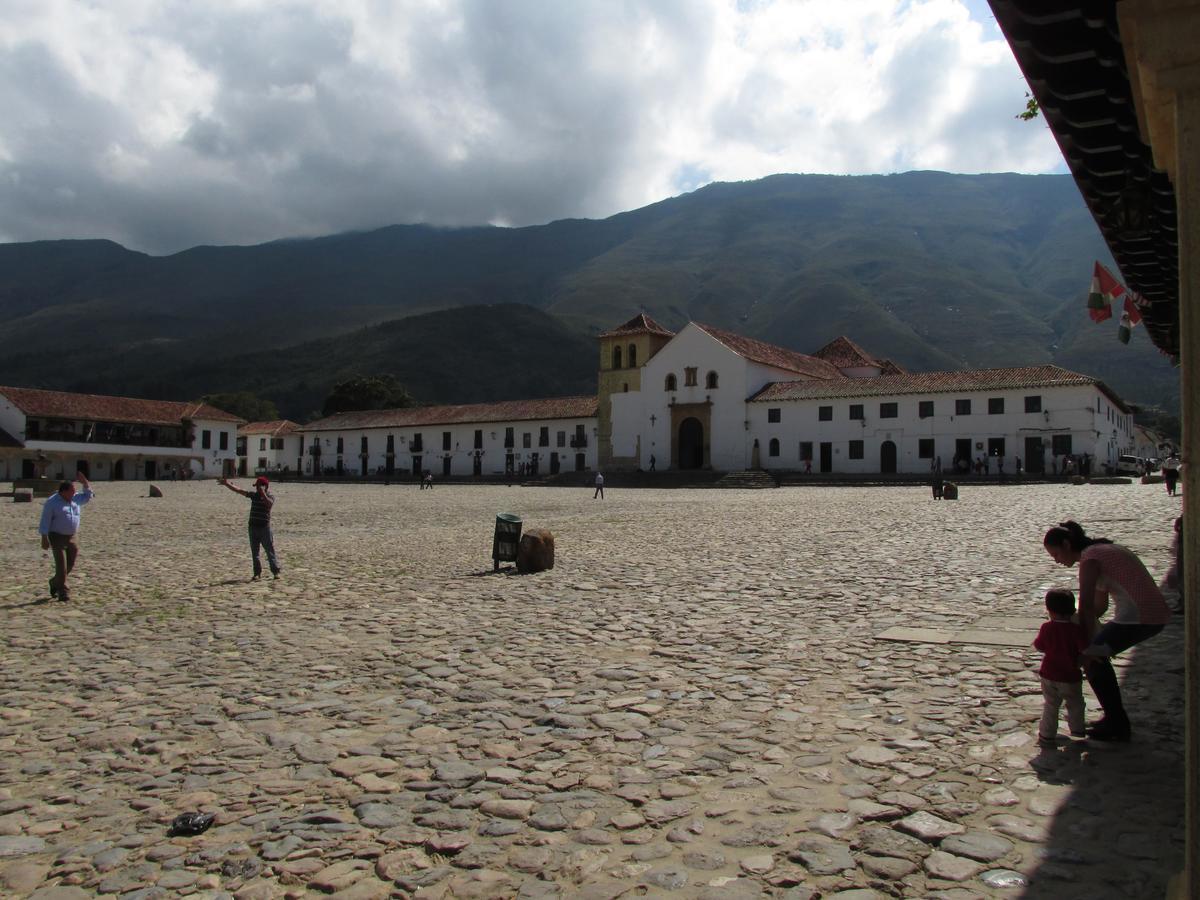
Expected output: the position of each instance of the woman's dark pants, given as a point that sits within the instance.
(1103, 679)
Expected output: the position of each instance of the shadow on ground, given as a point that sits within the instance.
(1118, 831)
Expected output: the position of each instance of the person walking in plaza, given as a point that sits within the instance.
(59, 528)
(1170, 470)
(1061, 642)
(599, 486)
(1108, 570)
(261, 503)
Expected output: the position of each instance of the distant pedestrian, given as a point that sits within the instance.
(261, 503)
(59, 529)
(938, 485)
(427, 481)
(808, 465)
(651, 462)
(599, 486)
(1062, 642)
(1020, 469)
(1170, 470)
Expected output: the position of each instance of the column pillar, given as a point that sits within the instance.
(1187, 197)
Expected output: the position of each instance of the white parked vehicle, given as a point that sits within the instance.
(1132, 465)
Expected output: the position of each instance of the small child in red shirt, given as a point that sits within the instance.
(1061, 642)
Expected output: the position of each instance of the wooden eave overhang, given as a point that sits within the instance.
(1071, 54)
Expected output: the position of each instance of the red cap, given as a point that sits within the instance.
(261, 479)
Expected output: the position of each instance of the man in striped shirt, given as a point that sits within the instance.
(261, 502)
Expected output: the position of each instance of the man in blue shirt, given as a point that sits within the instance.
(59, 529)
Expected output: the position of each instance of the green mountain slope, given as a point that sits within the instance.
(929, 269)
(472, 354)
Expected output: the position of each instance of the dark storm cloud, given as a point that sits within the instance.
(164, 126)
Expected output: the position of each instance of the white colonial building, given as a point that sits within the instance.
(276, 446)
(57, 434)
(536, 436)
(704, 398)
(708, 398)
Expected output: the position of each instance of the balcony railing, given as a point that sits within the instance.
(579, 442)
(113, 437)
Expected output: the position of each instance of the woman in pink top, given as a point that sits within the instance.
(1109, 571)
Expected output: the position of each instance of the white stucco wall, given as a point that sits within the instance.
(462, 447)
(12, 419)
(211, 462)
(1065, 410)
(276, 459)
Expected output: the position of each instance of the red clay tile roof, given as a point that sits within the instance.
(639, 324)
(770, 355)
(887, 367)
(276, 428)
(7, 440)
(933, 382)
(504, 411)
(99, 408)
(845, 354)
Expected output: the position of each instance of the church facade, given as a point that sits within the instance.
(709, 398)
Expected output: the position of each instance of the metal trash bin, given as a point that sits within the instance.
(505, 539)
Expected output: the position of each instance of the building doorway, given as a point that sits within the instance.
(81, 465)
(887, 457)
(477, 465)
(151, 468)
(963, 457)
(553, 463)
(119, 470)
(445, 467)
(416, 466)
(1035, 463)
(826, 456)
(580, 462)
(691, 444)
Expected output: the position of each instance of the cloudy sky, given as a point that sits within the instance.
(162, 124)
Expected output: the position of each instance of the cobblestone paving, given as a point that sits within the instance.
(690, 704)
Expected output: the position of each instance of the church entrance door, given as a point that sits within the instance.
(691, 444)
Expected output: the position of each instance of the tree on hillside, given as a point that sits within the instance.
(367, 392)
(244, 404)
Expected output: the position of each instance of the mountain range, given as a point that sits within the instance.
(932, 270)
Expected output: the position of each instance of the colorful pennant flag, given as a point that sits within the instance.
(1125, 328)
(1105, 289)
(1131, 307)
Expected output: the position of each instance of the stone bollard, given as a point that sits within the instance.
(22, 495)
(949, 491)
(535, 553)
(155, 490)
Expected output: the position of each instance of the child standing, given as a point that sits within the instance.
(1061, 642)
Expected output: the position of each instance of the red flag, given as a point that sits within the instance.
(1105, 288)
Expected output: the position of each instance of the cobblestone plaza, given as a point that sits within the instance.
(692, 703)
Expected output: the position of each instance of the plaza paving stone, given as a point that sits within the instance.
(692, 703)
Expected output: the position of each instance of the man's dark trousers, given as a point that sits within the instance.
(65, 548)
(260, 536)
